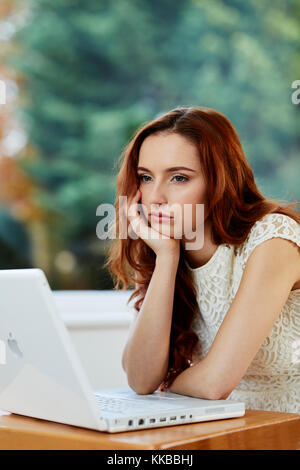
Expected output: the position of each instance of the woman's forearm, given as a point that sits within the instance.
(146, 355)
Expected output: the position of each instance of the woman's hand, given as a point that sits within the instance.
(163, 388)
(158, 242)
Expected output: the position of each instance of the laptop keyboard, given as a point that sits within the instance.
(111, 404)
(118, 405)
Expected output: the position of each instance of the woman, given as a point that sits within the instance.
(219, 321)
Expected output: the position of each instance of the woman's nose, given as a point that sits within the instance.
(157, 195)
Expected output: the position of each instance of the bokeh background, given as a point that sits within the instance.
(82, 75)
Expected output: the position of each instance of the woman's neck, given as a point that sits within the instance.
(197, 258)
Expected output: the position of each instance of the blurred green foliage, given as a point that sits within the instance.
(13, 240)
(95, 71)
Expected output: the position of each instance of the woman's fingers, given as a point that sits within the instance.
(138, 226)
(124, 206)
(137, 221)
(134, 217)
(134, 199)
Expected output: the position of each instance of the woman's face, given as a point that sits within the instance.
(164, 185)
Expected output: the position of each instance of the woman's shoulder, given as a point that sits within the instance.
(275, 225)
(270, 226)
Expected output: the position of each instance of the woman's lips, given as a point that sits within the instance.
(160, 217)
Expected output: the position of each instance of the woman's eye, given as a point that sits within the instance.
(180, 176)
(141, 177)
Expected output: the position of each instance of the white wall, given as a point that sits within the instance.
(98, 323)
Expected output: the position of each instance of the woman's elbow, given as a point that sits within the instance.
(214, 394)
(220, 396)
(217, 391)
(141, 390)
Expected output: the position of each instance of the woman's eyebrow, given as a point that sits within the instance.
(174, 168)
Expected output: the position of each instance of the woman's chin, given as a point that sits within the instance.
(169, 231)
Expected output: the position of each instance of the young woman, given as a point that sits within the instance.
(223, 320)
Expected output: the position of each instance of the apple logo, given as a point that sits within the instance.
(13, 346)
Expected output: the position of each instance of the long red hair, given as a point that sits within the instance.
(235, 204)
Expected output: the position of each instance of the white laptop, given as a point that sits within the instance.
(41, 375)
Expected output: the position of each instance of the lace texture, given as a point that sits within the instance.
(272, 381)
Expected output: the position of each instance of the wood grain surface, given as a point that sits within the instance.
(257, 430)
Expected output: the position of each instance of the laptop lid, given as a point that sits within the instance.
(41, 365)
(42, 375)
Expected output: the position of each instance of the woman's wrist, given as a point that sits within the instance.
(168, 257)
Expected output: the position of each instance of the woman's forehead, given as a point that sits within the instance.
(167, 150)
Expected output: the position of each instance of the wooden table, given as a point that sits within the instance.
(257, 430)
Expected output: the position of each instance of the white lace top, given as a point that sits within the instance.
(272, 381)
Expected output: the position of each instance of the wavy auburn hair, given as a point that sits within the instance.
(234, 205)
